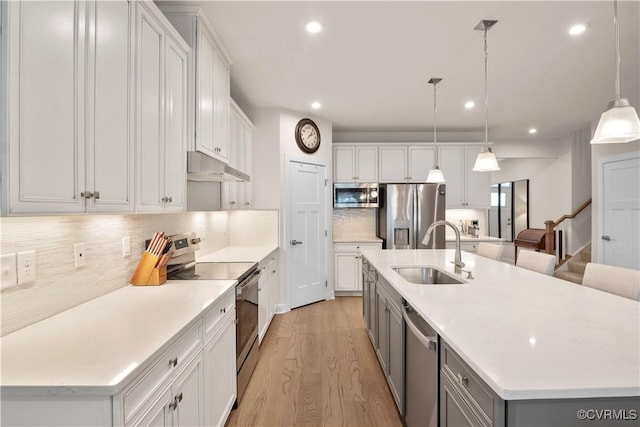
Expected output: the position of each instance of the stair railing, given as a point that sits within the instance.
(554, 238)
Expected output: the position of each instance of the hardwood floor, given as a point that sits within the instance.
(317, 368)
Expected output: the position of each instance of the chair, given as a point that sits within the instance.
(537, 261)
(615, 280)
(490, 250)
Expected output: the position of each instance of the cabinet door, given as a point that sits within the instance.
(393, 164)
(347, 272)
(150, 78)
(220, 107)
(247, 187)
(159, 414)
(264, 298)
(454, 411)
(478, 191)
(205, 94)
(366, 289)
(46, 85)
(420, 161)
(220, 369)
(383, 330)
(187, 395)
(175, 161)
(452, 165)
(373, 310)
(396, 357)
(367, 164)
(110, 142)
(344, 164)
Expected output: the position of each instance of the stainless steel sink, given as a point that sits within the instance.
(427, 276)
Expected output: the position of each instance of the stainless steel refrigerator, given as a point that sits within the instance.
(406, 211)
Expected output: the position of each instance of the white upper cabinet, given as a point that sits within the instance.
(69, 107)
(209, 81)
(465, 188)
(238, 195)
(161, 71)
(405, 163)
(353, 163)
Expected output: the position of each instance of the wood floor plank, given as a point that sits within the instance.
(317, 367)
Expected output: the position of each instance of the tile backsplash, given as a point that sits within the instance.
(354, 223)
(60, 286)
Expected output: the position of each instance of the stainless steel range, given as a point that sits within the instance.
(184, 267)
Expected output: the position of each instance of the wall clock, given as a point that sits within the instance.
(307, 136)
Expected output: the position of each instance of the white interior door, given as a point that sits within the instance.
(620, 234)
(307, 243)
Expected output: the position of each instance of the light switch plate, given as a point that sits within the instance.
(26, 267)
(8, 272)
(126, 246)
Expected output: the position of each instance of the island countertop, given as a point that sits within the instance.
(527, 335)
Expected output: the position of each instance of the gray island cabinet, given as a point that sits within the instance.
(508, 353)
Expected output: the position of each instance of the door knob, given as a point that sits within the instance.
(295, 242)
(607, 238)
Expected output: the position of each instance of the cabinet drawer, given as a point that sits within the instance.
(355, 246)
(215, 314)
(167, 365)
(469, 384)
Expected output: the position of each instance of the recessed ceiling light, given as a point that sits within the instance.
(577, 29)
(313, 27)
(315, 105)
(469, 105)
(533, 130)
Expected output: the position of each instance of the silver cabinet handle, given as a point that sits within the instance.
(96, 195)
(173, 362)
(463, 381)
(295, 242)
(607, 238)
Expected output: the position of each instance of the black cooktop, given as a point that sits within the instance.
(214, 271)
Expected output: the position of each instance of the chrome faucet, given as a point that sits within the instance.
(458, 264)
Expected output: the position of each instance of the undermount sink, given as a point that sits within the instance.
(427, 276)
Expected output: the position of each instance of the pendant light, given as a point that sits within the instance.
(435, 174)
(620, 122)
(486, 160)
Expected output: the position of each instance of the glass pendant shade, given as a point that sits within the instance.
(435, 176)
(486, 161)
(619, 124)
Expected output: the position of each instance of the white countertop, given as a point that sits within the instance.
(370, 239)
(238, 254)
(88, 348)
(527, 335)
(468, 238)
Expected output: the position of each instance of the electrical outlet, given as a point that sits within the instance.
(26, 267)
(80, 254)
(8, 272)
(126, 246)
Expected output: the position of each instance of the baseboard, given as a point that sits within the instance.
(282, 308)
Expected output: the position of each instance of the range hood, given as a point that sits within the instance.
(201, 167)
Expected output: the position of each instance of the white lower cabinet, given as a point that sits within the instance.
(347, 265)
(180, 403)
(268, 286)
(220, 373)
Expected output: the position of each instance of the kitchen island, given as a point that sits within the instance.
(539, 343)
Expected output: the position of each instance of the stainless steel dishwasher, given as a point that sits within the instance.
(421, 370)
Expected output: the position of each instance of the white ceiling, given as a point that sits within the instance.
(370, 65)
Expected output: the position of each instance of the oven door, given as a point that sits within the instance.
(246, 316)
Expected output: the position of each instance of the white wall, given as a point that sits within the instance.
(274, 143)
(549, 185)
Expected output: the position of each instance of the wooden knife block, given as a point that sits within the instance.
(147, 274)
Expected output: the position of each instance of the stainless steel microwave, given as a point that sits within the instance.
(354, 195)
